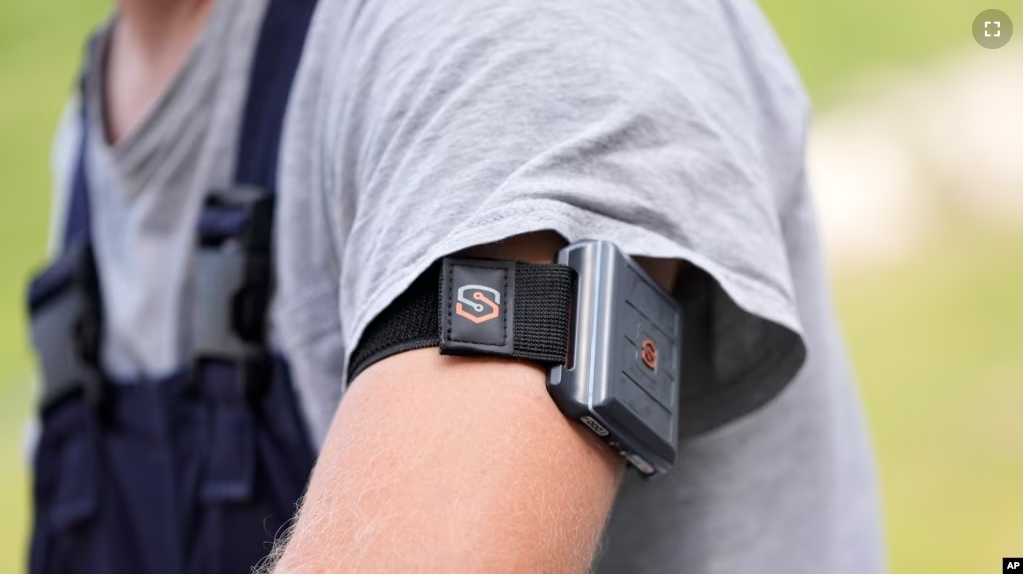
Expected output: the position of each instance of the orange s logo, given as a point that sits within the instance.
(479, 296)
(649, 355)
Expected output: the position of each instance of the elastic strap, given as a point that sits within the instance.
(532, 313)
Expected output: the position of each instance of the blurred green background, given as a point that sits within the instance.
(934, 330)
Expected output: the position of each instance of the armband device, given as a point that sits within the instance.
(609, 335)
(621, 375)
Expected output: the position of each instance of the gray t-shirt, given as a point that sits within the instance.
(417, 129)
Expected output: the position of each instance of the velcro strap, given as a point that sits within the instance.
(477, 307)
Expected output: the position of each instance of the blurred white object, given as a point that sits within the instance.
(890, 163)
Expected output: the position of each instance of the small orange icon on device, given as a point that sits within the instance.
(649, 354)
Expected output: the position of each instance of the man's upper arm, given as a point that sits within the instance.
(446, 125)
(439, 463)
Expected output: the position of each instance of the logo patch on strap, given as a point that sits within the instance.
(476, 306)
(478, 292)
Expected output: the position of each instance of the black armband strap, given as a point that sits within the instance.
(609, 336)
(477, 307)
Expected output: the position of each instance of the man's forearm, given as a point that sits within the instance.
(453, 464)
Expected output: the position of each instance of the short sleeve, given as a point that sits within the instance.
(655, 124)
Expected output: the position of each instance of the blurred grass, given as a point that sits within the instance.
(835, 41)
(936, 342)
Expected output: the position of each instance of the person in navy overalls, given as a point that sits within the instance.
(196, 472)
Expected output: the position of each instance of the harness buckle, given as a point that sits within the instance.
(64, 306)
(234, 273)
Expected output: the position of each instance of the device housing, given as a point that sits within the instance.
(621, 377)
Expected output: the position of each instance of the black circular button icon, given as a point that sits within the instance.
(992, 29)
